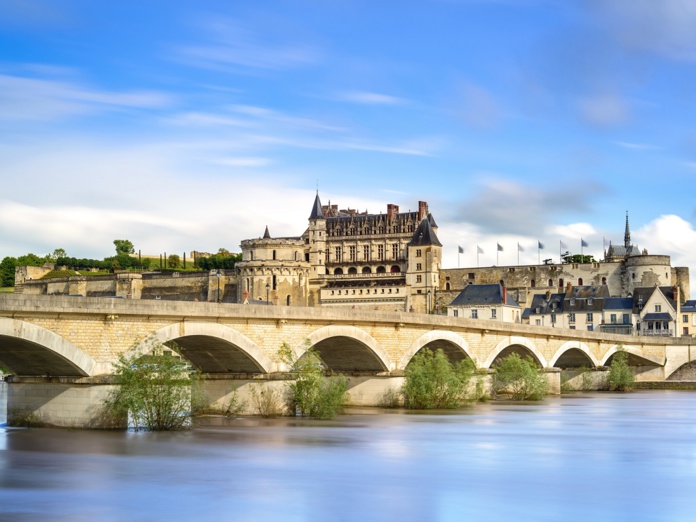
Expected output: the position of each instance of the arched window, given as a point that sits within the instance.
(352, 270)
(532, 283)
(274, 255)
(604, 280)
(447, 286)
(395, 269)
(550, 282)
(287, 300)
(338, 271)
(560, 283)
(580, 281)
(366, 270)
(381, 270)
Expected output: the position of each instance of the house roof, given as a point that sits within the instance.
(544, 305)
(642, 294)
(657, 317)
(424, 235)
(474, 295)
(689, 306)
(618, 303)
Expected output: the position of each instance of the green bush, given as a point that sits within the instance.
(156, 391)
(520, 378)
(621, 377)
(432, 381)
(311, 393)
(267, 400)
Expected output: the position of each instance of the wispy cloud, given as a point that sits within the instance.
(233, 48)
(604, 110)
(25, 98)
(638, 146)
(371, 98)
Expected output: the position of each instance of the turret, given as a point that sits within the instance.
(424, 260)
(317, 239)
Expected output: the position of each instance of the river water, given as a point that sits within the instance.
(591, 457)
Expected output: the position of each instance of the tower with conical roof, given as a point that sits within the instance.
(424, 261)
(317, 239)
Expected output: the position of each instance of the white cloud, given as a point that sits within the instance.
(669, 234)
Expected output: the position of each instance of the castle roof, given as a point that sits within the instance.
(424, 235)
(266, 234)
(317, 212)
(431, 220)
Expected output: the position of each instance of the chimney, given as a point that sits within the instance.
(504, 294)
(392, 211)
(422, 210)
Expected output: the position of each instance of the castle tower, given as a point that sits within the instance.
(424, 262)
(317, 240)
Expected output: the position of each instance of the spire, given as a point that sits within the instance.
(266, 234)
(627, 235)
(317, 213)
(424, 235)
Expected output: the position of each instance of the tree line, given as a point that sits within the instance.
(123, 260)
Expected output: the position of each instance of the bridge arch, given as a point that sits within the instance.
(636, 356)
(509, 344)
(450, 342)
(347, 348)
(211, 347)
(28, 349)
(565, 353)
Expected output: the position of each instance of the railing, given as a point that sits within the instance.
(371, 275)
(658, 333)
(621, 329)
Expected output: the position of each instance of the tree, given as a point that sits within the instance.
(174, 261)
(520, 378)
(7, 271)
(577, 258)
(155, 391)
(58, 253)
(621, 376)
(311, 393)
(123, 246)
(432, 381)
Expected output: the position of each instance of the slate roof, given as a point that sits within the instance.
(267, 234)
(424, 235)
(474, 295)
(431, 220)
(546, 306)
(618, 303)
(663, 316)
(689, 306)
(317, 212)
(642, 294)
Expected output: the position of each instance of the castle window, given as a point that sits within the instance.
(560, 283)
(352, 253)
(447, 286)
(380, 252)
(604, 280)
(419, 252)
(251, 255)
(274, 255)
(395, 269)
(395, 251)
(352, 270)
(366, 270)
(287, 300)
(419, 279)
(274, 283)
(339, 256)
(474, 314)
(366, 252)
(494, 313)
(455, 312)
(471, 275)
(338, 271)
(381, 270)
(532, 283)
(419, 266)
(580, 281)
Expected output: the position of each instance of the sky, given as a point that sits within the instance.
(193, 125)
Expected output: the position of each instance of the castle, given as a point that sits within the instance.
(388, 261)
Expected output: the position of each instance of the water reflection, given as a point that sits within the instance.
(601, 456)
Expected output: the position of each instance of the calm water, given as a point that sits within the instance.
(593, 457)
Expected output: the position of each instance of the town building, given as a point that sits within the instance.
(489, 302)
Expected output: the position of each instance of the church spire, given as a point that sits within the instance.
(627, 234)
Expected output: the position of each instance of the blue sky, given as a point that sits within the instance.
(182, 125)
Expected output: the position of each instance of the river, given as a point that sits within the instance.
(590, 457)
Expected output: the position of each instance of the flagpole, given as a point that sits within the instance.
(518, 254)
(582, 250)
(560, 248)
(477, 256)
(538, 253)
(497, 254)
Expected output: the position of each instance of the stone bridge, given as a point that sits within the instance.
(74, 340)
